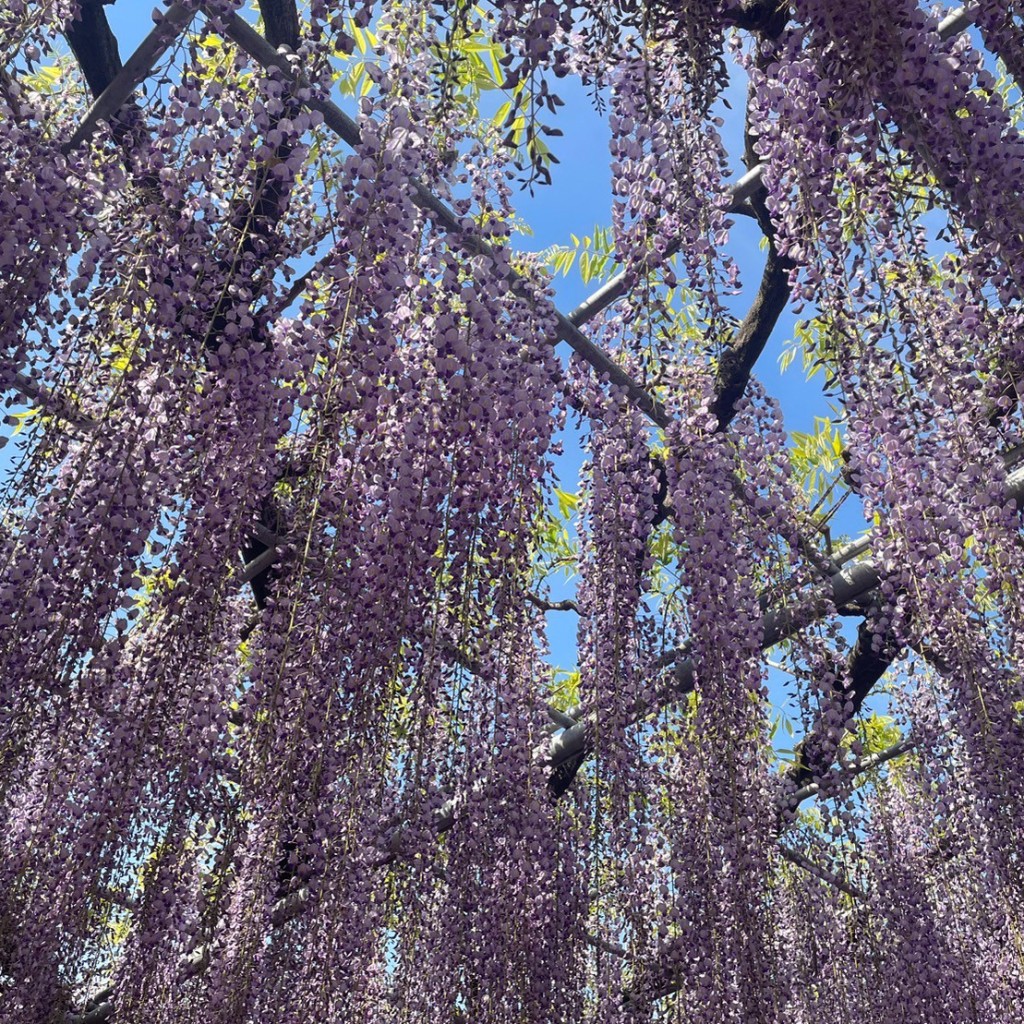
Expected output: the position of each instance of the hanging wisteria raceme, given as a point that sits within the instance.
(667, 166)
(949, 826)
(716, 551)
(44, 201)
(620, 485)
(619, 507)
(1000, 26)
(519, 933)
(926, 951)
(141, 377)
(579, 37)
(141, 553)
(278, 729)
(930, 90)
(924, 444)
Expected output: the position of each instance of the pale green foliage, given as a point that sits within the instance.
(565, 689)
(877, 732)
(353, 78)
(812, 339)
(817, 457)
(1010, 91)
(782, 755)
(567, 503)
(46, 80)
(594, 254)
(555, 547)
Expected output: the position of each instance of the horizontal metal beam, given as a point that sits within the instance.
(956, 21)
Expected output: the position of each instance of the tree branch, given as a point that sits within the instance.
(864, 764)
(737, 362)
(280, 23)
(867, 663)
(130, 76)
(553, 606)
(94, 46)
(833, 879)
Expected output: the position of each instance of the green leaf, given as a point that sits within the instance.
(45, 80)
(22, 420)
(567, 503)
(502, 114)
(565, 689)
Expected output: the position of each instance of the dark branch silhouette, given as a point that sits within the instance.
(94, 45)
(868, 661)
